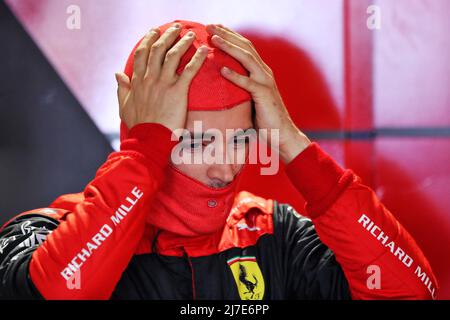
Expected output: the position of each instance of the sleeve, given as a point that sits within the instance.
(311, 271)
(94, 243)
(19, 238)
(379, 258)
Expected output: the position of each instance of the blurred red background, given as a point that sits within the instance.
(377, 100)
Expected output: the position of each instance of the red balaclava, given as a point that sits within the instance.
(183, 205)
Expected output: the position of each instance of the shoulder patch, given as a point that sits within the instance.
(250, 218)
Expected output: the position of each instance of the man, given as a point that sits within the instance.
(150, 227)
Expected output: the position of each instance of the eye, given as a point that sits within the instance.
(240, 141)
(194, 146)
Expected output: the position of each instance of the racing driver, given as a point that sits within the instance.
(150, 227)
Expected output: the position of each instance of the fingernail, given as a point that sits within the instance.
(211, 29)
(190, 34)
(203, 49)
(176, 25)
(218, 39)
(226, 70)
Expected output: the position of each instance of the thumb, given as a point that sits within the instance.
(123, 88)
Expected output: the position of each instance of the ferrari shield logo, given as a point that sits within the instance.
(248, 277)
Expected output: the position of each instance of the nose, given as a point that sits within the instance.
(221, 175)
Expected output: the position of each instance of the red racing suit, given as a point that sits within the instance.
(346, 245)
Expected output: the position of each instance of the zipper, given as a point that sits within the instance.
(191, 267)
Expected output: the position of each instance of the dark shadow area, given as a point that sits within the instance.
(48, 144)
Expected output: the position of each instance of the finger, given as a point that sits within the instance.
(228, 29)
(191, 69)
(159, 48)
(247, 59)
(242, 81)
(175, 54)
(237, 39)
(142, 52)
(229, 35)
(123, 86)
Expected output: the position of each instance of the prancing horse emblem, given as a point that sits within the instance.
(248, 277)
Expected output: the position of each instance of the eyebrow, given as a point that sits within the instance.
(242, 133)
(201, 135)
